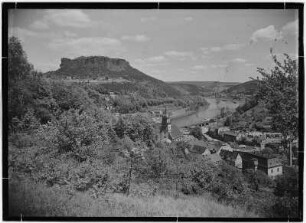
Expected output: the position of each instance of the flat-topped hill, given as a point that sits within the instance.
(101, 67)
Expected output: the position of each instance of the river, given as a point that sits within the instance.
(212, 111)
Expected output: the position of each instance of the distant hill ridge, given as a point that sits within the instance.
(201, 87)
(95, 67)
(249, 87)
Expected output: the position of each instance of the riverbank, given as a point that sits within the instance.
(209, 112)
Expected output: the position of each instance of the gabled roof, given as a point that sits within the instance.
(198, 146)
(175, 132)
(230, 133)
(270, 161)
(198, 149)
(228, 155)
(198, 143)
(274, 162)
(215, 158)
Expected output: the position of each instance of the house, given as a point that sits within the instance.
(112, 94)
(233, 158)
(221, 130)
(215, 158)
(157, 113)
(175, 133)
(185, 131)
(199, 147)
(270, 165)
(229, 136)
(273, 137)
(268, 120)
(204, 129)
(187, 138)
(225, 147)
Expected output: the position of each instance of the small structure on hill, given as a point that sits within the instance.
(215, 158)
(229, 136)
(270, 165)
(167, 130)
(199, 147)
(112, 94)
(223, 129)
(233, 158)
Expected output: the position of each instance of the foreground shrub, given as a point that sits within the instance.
(37, 200)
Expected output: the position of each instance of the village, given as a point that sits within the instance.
(245, 150)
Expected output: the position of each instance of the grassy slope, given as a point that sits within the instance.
(38, 200)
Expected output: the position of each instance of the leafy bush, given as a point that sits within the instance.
(197, 132)
(258, 178)
(137, 128)
(76, 130)
(286, 207)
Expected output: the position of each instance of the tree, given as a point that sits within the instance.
(228, 121)
(18, 65)
(197, 132)
(278, 90)
(120, 128)
(18, 69)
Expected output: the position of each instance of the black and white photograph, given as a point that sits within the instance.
(149, 110)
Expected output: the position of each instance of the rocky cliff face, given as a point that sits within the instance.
(97, 67)
(96, 63)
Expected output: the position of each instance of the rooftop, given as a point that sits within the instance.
(228, 155)
(230, 133)
(175, 132)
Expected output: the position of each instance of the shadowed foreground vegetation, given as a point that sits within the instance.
(37, 200)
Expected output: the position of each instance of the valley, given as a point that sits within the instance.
(98, 137)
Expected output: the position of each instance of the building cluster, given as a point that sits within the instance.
(243, 157)
(254, 161)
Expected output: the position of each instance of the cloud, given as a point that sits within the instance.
(156, 59)
(205, 50)
(239, 60)
(271, 33)
(136, 38)
(181, 55)
(64, 18)
(199, 67)
(233, 46)
(188, 19)
(215, 49)
(39, 25)
(148, 19)
(24, 34)
(291, 28)
(69, 34)
(266, 34)
(87, 46)
(21, 33)
(230, 47)
(151, 60)
(218, 65)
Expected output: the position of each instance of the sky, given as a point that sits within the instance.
(171, 45)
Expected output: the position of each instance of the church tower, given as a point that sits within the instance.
(165, 128)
